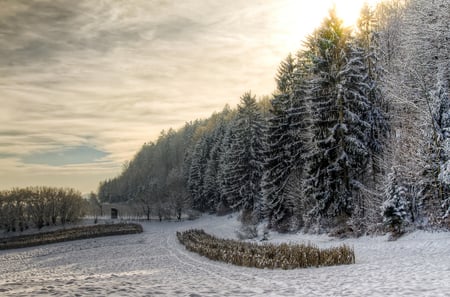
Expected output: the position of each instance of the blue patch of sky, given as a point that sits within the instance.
(7, 155)
(66, 156)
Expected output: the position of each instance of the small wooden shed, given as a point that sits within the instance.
(114, 213)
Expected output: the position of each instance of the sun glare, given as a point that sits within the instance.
(298, 18)
(349, 10)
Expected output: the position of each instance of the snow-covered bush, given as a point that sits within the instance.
(394, 209)
(247, 232)
(249, 225)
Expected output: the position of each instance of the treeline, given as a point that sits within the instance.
(357, 133)
(36, 207)
(154, 180)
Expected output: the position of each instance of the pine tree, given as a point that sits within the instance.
(227, 180)
(338, 94)
(395, 208)
(196, 175)
(299, 115)
(242, 171)
(368, 39)
(277, 162)
(211, 183)
(366, 203)
(286, 143)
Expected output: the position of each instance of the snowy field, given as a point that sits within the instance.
(155, 264)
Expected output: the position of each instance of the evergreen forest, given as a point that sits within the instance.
(355, 137)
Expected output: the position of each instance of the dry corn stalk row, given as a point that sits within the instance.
(284, 256)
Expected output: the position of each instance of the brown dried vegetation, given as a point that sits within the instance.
(284, 256)
(69, 234)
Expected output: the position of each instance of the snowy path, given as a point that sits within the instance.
(155, 264)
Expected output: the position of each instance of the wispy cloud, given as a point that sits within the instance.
(65, 156)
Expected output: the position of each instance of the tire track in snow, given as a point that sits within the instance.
(221, 269)
(201, 266)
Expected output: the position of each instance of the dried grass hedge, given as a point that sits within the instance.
(76, 233)
(284, 256)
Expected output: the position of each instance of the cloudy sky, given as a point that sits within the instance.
(83, 84)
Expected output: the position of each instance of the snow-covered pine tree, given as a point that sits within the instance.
(196, 173)
(243, 168)
(227, 180)
(299, 115)
(368, 40)
(300, 147)
(395, 208)
(287, 140)
(338, 94)
(277, 155)
(211, 184)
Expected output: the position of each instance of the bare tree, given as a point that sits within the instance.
(178, 195)
(95, 206)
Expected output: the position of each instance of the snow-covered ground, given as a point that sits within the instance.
(155, 264)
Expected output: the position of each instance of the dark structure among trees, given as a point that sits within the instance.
(114, 213)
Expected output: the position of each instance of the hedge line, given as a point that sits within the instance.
(284, 256)
(69, 234)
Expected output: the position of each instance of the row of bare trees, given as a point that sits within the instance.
(23, 208)
(164, 201)
(415, 41)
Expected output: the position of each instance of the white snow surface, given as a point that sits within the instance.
(155, 264)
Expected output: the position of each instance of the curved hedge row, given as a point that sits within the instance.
(284, 256)
(69, 234)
